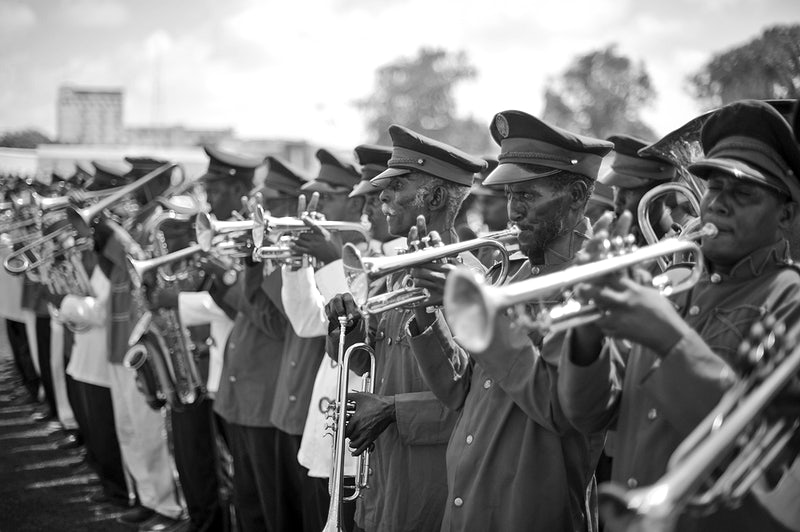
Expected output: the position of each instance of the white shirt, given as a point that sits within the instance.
(199, 308)
(89, 360)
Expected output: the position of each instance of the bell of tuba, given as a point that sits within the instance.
(360, 271)
(731, 449)
(471, 307)
(338, 424)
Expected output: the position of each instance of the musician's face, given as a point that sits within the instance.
(333, 206)
(401, 203)
(495, 211)
(747, 215)
(224, 197)
(540, 211)
(377, 221)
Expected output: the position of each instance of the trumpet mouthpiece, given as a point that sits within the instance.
(709, 231)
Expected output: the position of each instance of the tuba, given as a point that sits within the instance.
(338, 423)
(723, 458)
(471, 308)
(360, 271)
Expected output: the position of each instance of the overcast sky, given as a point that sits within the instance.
(292, 69)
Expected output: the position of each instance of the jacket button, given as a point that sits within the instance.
(535, 270)
(652, 414)
(293, 363)
(292, 398)
(459, 502)
(632, 482)
(232, 378)
(694, 310)
(469, 439)
(487, 383)
(389, 341)
(715, 278)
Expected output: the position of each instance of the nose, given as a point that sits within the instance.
(716, 201)
(516, 210)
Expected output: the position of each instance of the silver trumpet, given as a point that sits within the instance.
(728, 452)
(339, 424)
(140, 267)
(208, 229)
(471, 307)
(361, 271)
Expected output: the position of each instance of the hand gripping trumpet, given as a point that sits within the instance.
(732, 447)
(360, 271)
(339, 424)
(471, 307)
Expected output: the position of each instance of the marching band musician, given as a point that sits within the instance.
(140, 430)
(305, 293)
(304, 499)
(632, 176)
(406, 423)
(251, 363)
(681, 355)
(514, 462)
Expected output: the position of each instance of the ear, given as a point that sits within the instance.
(578, 194)
(787, 215)
(438, 198)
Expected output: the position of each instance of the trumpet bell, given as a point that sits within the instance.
(470, 312)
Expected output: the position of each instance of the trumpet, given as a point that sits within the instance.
(208, 228)
(735, 440)
(471, 308)
(17, 262)
(139, 268)
(338, 423)
(82, 218)
(360, 271)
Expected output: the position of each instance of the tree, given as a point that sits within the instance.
(766, 67)
(26, 138)
(418, 93)
(600, 94)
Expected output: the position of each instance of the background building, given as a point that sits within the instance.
(89, 116)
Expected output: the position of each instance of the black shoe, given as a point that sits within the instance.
(136, 516)
(101, 497)
(70, 441)
(162, 523)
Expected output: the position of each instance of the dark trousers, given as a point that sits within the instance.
(91, 405)
(46, 373)
(194, 445)
(303, 500)
(254, 477)
(18, 339)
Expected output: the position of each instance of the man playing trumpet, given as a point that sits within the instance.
(514, 462)
(404, 420)
(680, 356)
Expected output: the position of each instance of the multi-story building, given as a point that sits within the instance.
(89, 116)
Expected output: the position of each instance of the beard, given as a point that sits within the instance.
(551, 223)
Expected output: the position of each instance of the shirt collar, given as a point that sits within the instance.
(754, 264)
(564, 247)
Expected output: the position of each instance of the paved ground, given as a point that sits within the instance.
(42, 488)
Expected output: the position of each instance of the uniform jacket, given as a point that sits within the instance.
(656, 402)
(253, 352)
(514, 462)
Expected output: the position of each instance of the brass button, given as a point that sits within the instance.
(292, 398)
(652, 414)
(469, 439)
(716, 278)
(293, 363)
(487, 383)
(389, 341)
(459, 502)
(535, 270)
(632, 482)
(694, 310)
(232, 378)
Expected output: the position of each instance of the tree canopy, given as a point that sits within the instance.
(600, 93)
(417, 93)
(764, 68)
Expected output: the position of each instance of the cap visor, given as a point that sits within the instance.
(322, 187)
(615, 179)
(382, 179)
(487, 192)
(364, 188)
(509, 173)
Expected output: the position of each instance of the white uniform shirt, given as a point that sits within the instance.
(89, 360)
(199, 308)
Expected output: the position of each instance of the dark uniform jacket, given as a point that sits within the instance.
(514, 463)
(656, 402)
(254, 350)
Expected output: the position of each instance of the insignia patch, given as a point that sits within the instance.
(501, 124)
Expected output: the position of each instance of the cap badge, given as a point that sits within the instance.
(420, 161)
(501, 124)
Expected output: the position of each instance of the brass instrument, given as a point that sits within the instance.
(360, 271)
(165, 342)
(731, 448)
(208, 229)
(17, 262)
(282, 231)
(471, 307)
(339, 414)
(82, 218)
(139, 268)
(643, 210)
